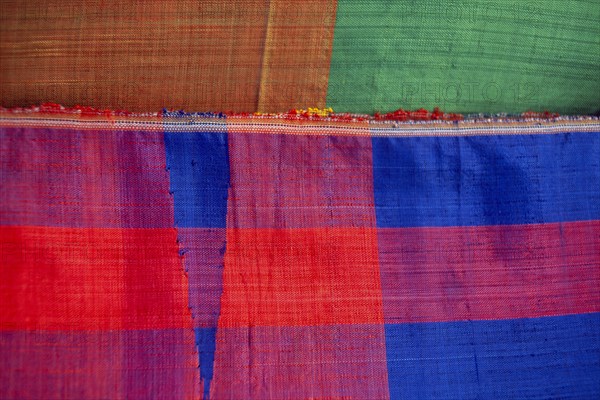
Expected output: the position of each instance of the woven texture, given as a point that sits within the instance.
(465, 56)
(184, 256)
(140, 56)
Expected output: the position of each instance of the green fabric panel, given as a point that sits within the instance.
(466, 56)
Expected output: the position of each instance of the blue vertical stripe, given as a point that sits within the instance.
(537, 358)
(198, 162)
(486, 180)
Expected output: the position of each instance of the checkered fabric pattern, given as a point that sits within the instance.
(176, 255)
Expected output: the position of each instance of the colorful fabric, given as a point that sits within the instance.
(177, 255)
(491, 56)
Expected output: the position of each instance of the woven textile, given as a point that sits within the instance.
(466, 56)
(177, 255)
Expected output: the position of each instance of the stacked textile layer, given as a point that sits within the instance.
(176, 255)
(469, 56)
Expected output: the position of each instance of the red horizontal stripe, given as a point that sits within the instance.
(296, 277)
(489, 272)
(72, 279)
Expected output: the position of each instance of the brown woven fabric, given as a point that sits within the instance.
(198, 55)
(295, 68)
